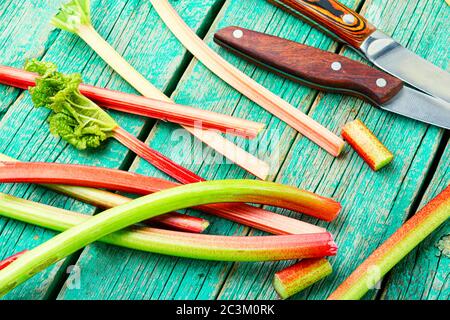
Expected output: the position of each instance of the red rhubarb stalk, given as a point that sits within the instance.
(11, 259)
(403, 241)
(299, 276)
(185, 196)
(87, 176)
(106, 200)
(244, 214)
(139, 105)
(367, 145)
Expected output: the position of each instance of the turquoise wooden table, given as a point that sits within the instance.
(374, 204)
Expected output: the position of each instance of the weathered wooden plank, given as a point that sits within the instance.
(131, 27)
(17, 43)
(424, 273)
(133, 275)
(375, 204)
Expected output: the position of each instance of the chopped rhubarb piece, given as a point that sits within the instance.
(367, 145)
(299, 276)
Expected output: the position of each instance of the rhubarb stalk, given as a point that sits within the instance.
(83, 124)
(134, 104)
(87, 176)
(244, 214)
(367, 145)
(106, 200)
(403, 241)
(74, 17)
(180, 244)
(300, 276)
(246, 85)
(140, 209)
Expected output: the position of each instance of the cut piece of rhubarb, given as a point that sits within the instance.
(40, 172)
(147, 107)
(246, 85)
(6, 262)
(185, 196)
(180, 244)
(106, 200)
(403, 241)
(244, 214)
(299, 276)
(366, 144)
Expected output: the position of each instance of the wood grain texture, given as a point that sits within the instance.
(339, 20)
(307, 65)
(424, 273)
(24, 133)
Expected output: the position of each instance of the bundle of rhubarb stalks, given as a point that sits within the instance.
(151, 222)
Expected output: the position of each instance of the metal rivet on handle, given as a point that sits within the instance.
(238, 34)
(381, 82)
(336, 66)
(348, 18)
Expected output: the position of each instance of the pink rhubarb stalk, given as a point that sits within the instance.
(299, 276)
(139, 105)
(86, 176)
(403, 241)
(156, 158)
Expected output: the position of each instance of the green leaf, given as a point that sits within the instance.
(74, 118)
(72, 15)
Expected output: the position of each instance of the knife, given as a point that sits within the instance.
(348, 26)
(331, 72)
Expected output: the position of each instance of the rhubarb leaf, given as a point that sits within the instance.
(75, 118)
(71, 15)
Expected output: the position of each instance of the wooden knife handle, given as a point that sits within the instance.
(341, 22)
(310, 66)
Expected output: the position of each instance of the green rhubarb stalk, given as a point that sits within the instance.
(367, 145)
(300, 276)
(403, 241)
(180, 244)
(138, 210)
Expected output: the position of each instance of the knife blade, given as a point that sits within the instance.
(348, 26)
(331, 72)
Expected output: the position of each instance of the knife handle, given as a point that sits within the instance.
(341, 22)
(310, 66)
